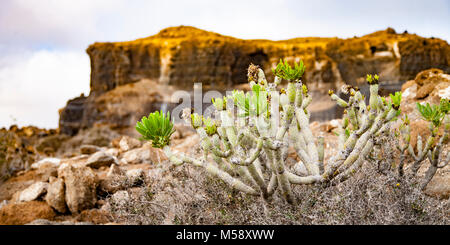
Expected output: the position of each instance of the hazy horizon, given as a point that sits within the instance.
(43, 62)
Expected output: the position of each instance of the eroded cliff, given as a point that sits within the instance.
(181, 56)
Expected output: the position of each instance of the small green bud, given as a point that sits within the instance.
(305, 89)
(210, 126)
(372, 79)
(219, 103)
(196, 120)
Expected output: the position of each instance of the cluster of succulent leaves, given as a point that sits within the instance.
(252, 104)
(210, 126)
(157, 128)
(396, 99)
(219, 103)
(199, 121)
(286, 72)
(372, 78)
(434, 113)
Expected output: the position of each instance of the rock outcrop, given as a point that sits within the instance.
(181, 56)
(429, 86)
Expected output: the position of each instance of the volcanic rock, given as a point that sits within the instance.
(127, 143)
(100, 159)
(145, 154)
(56, 195)
(81, 185)
(33, 192)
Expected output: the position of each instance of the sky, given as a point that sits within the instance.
(43, 62)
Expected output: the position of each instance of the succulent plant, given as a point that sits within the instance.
(286, 72)
(157, 128)
(248, 152)
(436, 115)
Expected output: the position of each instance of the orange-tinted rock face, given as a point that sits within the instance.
(181, 56)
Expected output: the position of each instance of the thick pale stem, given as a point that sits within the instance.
(303, 121)
(422, 155)
(294, 179)
(273, 184)
(174, 159)
(354, 146)
(340, 102)
(434, 158)
(283, 181)
(357, 164)
(320, 143)
(233, 182)
(212, 169)
(373, 100)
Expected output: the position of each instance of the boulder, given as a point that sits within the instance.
(56, 195)
(429, 86)
(100, 159)
(427, 76)
(81, 185)
(439, 186)
(127, 143)
(112, 151)
(425, 90)
(442, 91)
(33, 192)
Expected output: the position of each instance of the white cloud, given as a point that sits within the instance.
(65, 23)
(34, 86)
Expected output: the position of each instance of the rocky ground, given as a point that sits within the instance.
(129, 182)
